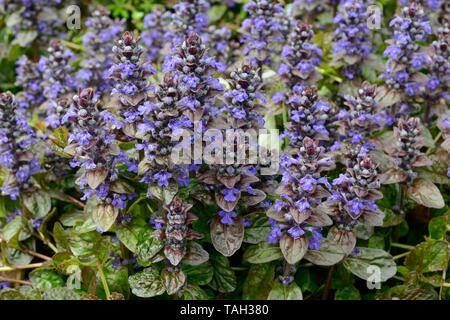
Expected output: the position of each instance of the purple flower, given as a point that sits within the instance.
(36, 223)
(230, 195)
(227, 217)
(89, 124)
(302, 204)
(263, 30)
(296, 232)
(162, 178)
(404, 56)
(308, 183)
(130, 77)
(351, 38)
(275, 234)
(17, 140)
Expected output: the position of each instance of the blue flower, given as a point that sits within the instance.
(296, 232)
(275, 233)
(351, 38)
(230, 195)
(302, 204)
(162, 178)
(227, 217)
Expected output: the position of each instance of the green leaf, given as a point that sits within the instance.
(148, 246)
(426, 193)
(173, 281)
(193, 292)
(428, 138)
(347, 293)
(420, 291)
(61, 293)
(104, 216)
(258, 230)
(165, 194)
(306, 279)
(24, 38)
(362, 265)
(117, 279)
(18, 226)
(38, 202)
(60, 236)
(293, 249)
(30, 293)
(45, 279)
(227, 239)
(195, 255)
(65, 262)
(128, 236)
(17, 257)
(262, 252)
(89, 245)
(259, 281)
(14, 18)
(428, 256)
(329, 253)
(147, 283)
(11, 294)
(201, 274)
(369, 73)
(391, 219)
(438, 227)
(71, 218)
(224, 279)
(376, 241)
(282, 292)
(61, 136)
(86, 226)
(216, 12)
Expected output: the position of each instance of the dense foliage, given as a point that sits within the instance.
(350, 201)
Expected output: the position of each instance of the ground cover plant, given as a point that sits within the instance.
(124, 173)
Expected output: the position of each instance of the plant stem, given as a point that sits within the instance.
(401, 202)
(401, 255)
(26, 266)
(72, 45)
(286, 269)
(35, 254)
(239, 268)
(426, 114)
(399, 278)
(306, 265)
(15, 280)
(444, 274)
(436, 139)
(104, 282)
(47, 242)
(402, 246)
(67, 198)
(326, 291)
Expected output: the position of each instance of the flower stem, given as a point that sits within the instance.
(104, 282)
(401, 255)
(326, 291)
(35, 254)
(47, 242)
(402, 246)
(26, 266)
(15, 280)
